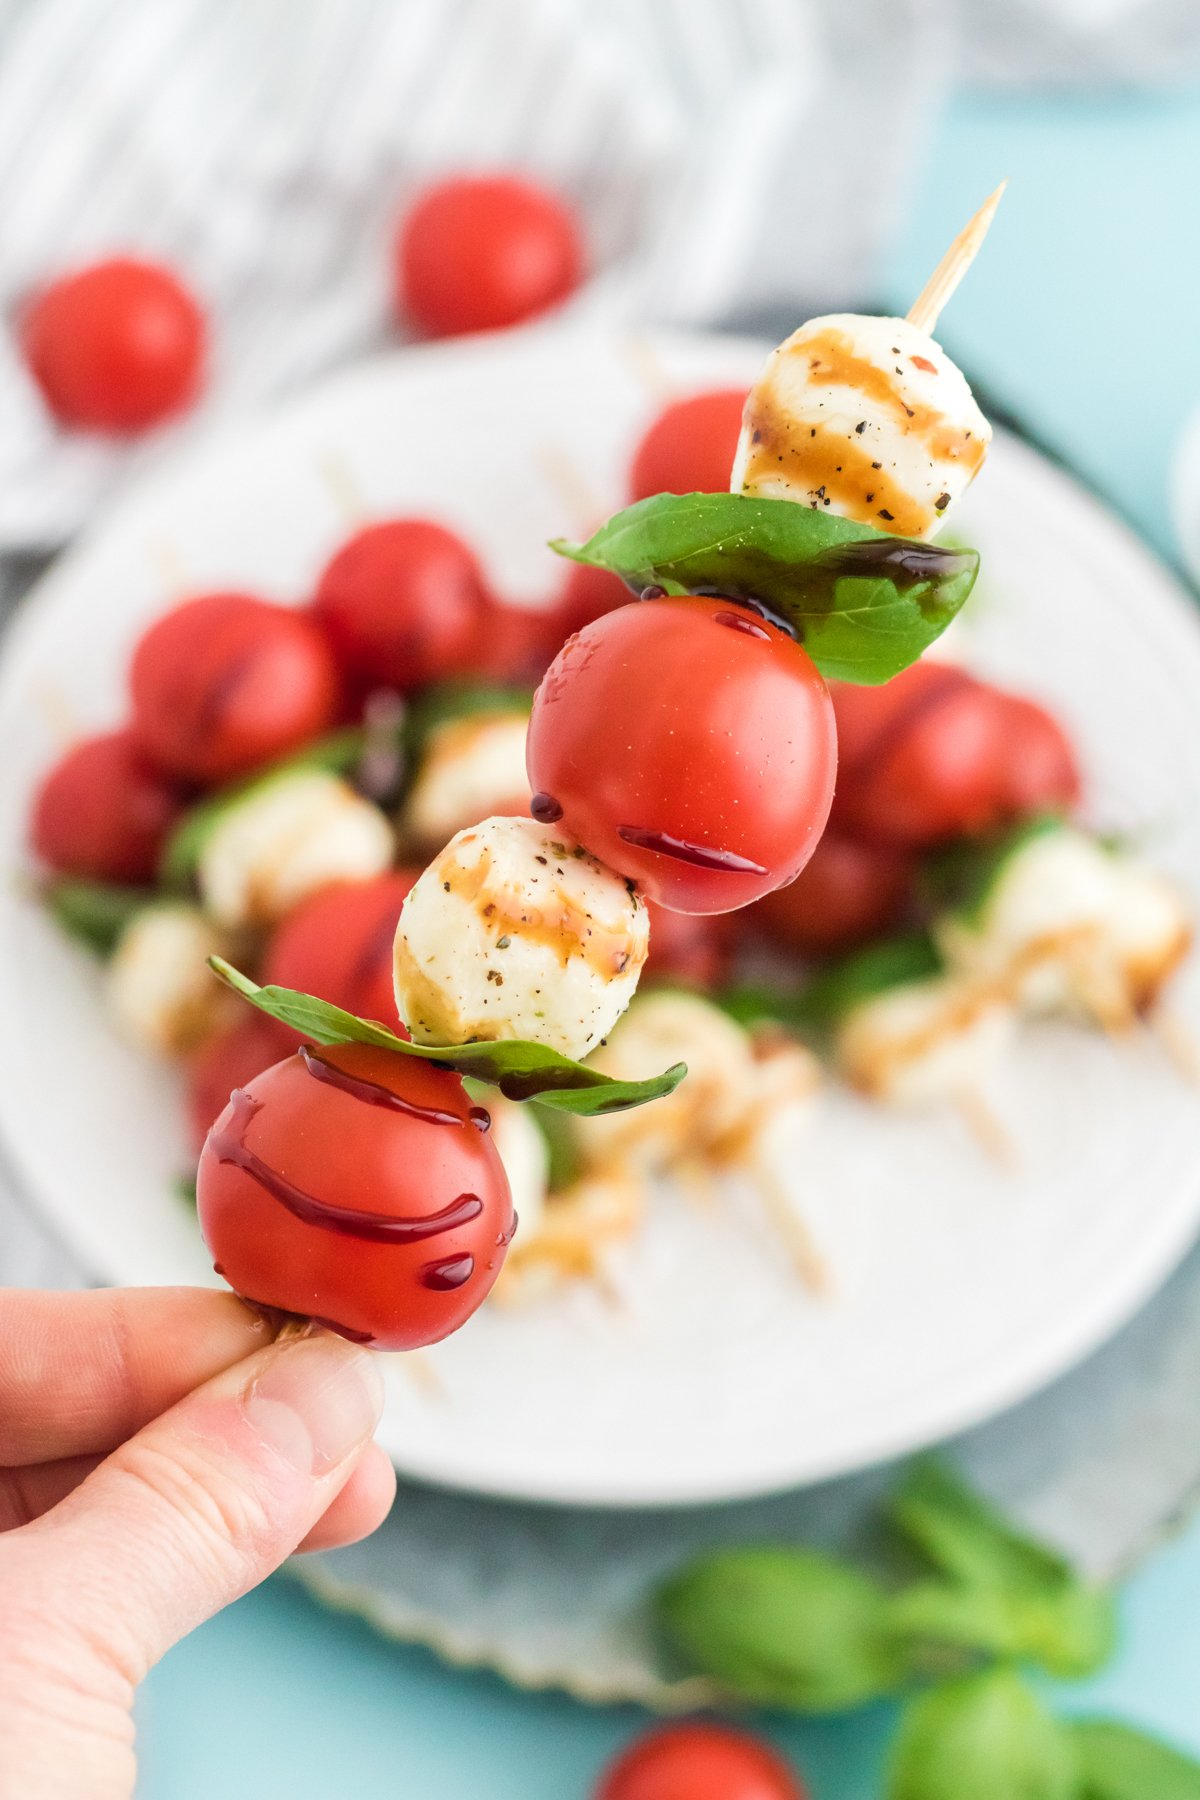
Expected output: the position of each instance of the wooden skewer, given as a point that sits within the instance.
(1178, 1042)
(562, 476)
(987, 1128)
(811, 1266)
(168, 565)
(926, 309)
(645, 365)
(344, 491)
(425, 1376)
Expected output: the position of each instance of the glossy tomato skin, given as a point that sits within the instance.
(690, 447)
(691, 746)
(356, 1186)
(480, 253)
(231, 1060)
(116, 347)
(847, 893)
(403, 602)
(104, 812)
(937, 754)
(227, 682)
(337, 944)
(699, 1762)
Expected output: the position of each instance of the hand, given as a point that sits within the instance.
(159, 1455)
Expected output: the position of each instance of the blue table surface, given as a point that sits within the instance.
(1082, 314)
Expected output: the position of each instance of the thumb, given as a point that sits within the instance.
(211, 1497)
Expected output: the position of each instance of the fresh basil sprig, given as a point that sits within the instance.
(987, 1737)
(522, 1071)
(94, 912)
(864, 604)
(1118, 1763)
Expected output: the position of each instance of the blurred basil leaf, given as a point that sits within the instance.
(1120, 1763)
(987, 1737)
(94, 912)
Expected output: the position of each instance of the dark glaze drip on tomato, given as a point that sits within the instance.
(727, 862)
(444, 1277)
(740, 621)
(228, 1146)
(371, 1092)
(480, 1118)
(545, 809)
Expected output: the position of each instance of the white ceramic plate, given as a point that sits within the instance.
(963, 1288)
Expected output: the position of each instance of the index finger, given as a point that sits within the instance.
(83, 1371)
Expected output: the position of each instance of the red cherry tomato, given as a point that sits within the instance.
(693, 948)
(231, 1060)
(691, 746)
(479, 253)
(690, 447)
(116, 347)
(103, 812)
(513, 643)
(850, 891)
(403, 602)
(937, 754)
(226, 682)
(360, 1188)
(587, 594)
(699, 1762)
(338, 944)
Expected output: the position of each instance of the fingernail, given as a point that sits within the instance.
(315, 1400)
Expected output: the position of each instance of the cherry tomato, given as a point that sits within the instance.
(937, 754)
(115, 347)
(850, 891)
(514, 643)
(338, 944)
(104, 812)
(477, 253)
(231, 1060)
(587, 594)
(403, 602)
(699, 1762)
(691, 746)
(693, 948)
(690, 447)
(360, 1188)
(226, 682)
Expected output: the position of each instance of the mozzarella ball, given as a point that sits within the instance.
(526, 1158)
(864, 417)
(160, 988)
(924, 1041)
(470, 769)
(514, 932)
(287, 837)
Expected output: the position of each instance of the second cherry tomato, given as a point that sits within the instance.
(403, 602)
(695, 949)
(849, 891)
(115, 347)
(338, 945)
(699, 1762)
(226, 682)
(360, 1188)
(231, 1060)
(477, 253)
(104, 812)
(690, 447)
(691, 746)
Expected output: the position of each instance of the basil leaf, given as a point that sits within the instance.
(783, 1627)
(564, 1163)
(338, 753)
(962, 877)
(984, 1738)
(1011, 1595)
(1119, 1763)
(864, 604)
(94, 912)
(446, 700)
(522, 1071)
(840, 986)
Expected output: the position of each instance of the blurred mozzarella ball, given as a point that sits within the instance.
(470, 769)
(526, 1157)
(284, 839)
(923, 1042)
(160, 988)
(575, 1233)
(865, 417)
(514, 932)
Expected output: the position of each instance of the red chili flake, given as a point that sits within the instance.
(923, 362)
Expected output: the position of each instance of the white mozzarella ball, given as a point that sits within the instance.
(865, 417)
(287, 837)
(160, 988)
(514, 932)
(526, 1158)
(925, 1041)
(470, 769)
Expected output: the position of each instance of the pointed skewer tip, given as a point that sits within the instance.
(926, 309)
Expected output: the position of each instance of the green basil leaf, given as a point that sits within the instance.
(1120, 1763)
(961, 878)
(445, 700)
(1016, 1597)
(783, 1627)
(522, 1071)
(987, 1737)
(842, 985)
(864, 604)
(94, 912)
(338, 753)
